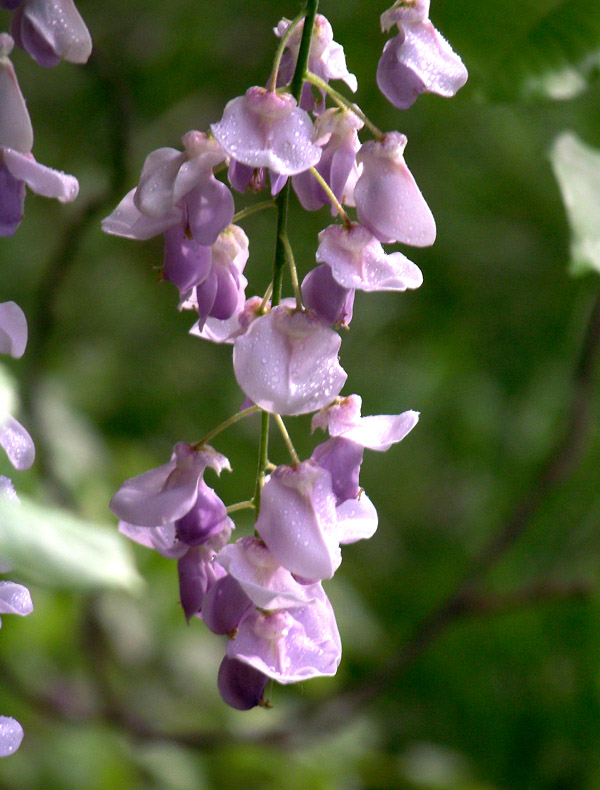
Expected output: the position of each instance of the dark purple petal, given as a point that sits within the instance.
(205, 297)
(12, 202)
(53, 30)
(197, 574)
(239, 175)
(224, 605)
(398, 83)
(205, 518)
(187, 263)
(327, 298)
(227, 295)
(241, 686)
(210, 209)
(342, 459)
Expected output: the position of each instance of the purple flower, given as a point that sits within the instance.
(220, 294)
(15, 599)
(322, 294)
(264, 129)
(225, 604)
(169, 493)
(326, 59)
(418, 59)
(198, 573)
(342, 419)
(218, 331)
(357, 260)
(11, 735)
(290, 645)
(298, 522)
(336, 131)
(287, 362)
(17, 165)
(388, 200)
(15, 440)
(50, 30)
(177, 189)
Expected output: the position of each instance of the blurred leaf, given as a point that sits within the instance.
(554, 58)
(54, 548)
(577, 169)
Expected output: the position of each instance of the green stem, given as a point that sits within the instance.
(263, 460)
(287, 440)
(231, 421)
(293, 272)
(303, 51)
(280, 49)
(246, 212)
(344, 103)
(247, 505)
(326, 188)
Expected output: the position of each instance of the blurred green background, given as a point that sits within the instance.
(111, 686)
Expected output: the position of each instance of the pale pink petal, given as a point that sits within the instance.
(41, 179)
(127, 220)
(17, 443)
(287, 362)
(388, 200)
(15, 126)
(356, 519)
(13, 330)
(297, 520)
(155, 195)
(382, 431)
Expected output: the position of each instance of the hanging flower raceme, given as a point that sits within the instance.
(264, 129)
(18, 168)
(326, 59)
(388, 201)
(49, 30)
(419, 59)
(287, 362)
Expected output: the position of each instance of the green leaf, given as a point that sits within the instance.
(54, 548)
(555, 57)
(577, 169)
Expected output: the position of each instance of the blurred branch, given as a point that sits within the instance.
(43, 312)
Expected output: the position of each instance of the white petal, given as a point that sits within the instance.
(43, 180)
(356, 519)
(13, 330)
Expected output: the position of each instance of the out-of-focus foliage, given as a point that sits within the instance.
(484, 350)
(577, 168)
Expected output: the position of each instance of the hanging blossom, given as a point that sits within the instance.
(263, 593)
(337, 132)
(417, 60)
(326, 59)
(388, 201)
(287, 362)
(17, 165)
(49, 30)
(266, 130)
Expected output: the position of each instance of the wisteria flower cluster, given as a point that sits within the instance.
(264, 592)
(48, 30)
